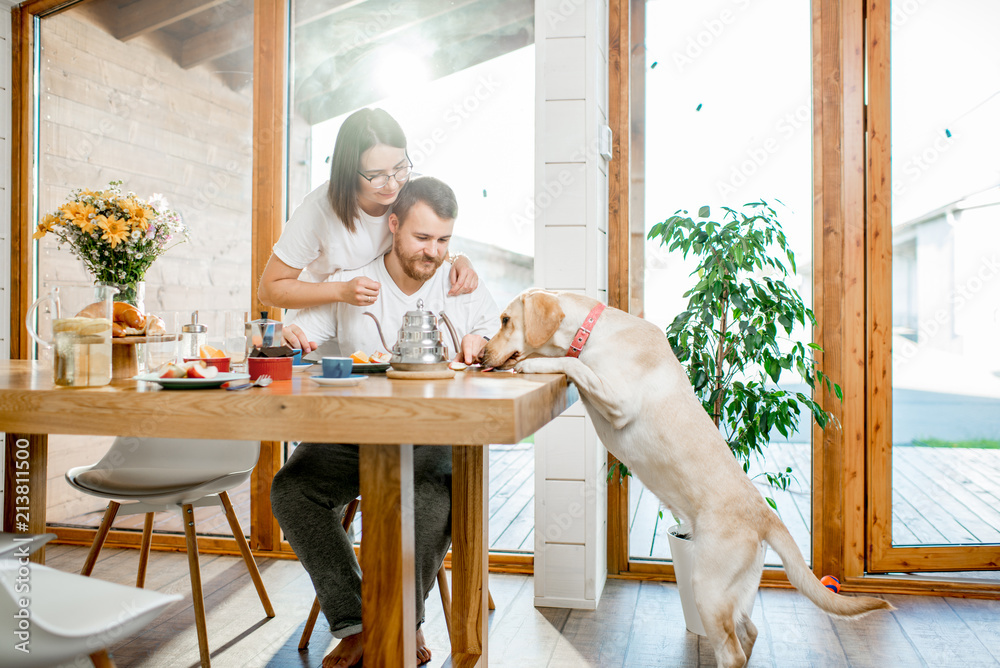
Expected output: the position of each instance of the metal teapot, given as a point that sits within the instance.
(419, 346)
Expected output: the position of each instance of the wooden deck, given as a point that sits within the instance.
(940, 496)
(637, 624)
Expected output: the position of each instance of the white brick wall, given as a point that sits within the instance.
(571, 193)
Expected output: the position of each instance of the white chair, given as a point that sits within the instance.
(67, 616)
(157, 474)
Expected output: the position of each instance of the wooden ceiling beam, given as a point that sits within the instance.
(218, 42)
(140, 18)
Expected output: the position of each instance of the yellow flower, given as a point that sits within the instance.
(115, 229)
(79, 214)
(139, 214)
(45, 226)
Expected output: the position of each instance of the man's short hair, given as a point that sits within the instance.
(431, 191)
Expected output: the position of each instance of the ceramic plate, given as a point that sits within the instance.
(370, 368)
(339, 382)
(191, 383)
(302, 367)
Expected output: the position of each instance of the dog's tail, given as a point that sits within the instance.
(803, 579)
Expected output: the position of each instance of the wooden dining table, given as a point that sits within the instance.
(387, 417)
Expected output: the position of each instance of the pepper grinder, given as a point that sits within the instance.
(193, 337)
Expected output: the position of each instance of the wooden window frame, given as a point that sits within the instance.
(849, 253)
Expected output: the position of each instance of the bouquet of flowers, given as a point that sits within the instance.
(117, 235)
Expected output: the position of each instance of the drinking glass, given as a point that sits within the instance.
(235, 343)
(161, 350)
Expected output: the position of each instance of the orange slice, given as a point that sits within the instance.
(360, 357)
(210, 351)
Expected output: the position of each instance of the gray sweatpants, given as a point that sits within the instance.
(308, 496)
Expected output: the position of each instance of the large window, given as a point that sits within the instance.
(165, 107)
(945, 103)
(726, 120)
(460, 80)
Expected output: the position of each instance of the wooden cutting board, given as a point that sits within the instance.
(419, 375)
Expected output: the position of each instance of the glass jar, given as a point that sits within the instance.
(193, 337)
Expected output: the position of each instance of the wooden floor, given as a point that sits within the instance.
(637, 624)
(940, 496)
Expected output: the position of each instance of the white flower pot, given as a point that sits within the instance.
(682, 553)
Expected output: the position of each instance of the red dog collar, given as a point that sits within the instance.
(583, 333)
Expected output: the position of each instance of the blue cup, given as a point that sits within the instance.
(337, 367)
(296, 355)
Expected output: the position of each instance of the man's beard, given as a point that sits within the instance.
(414, 267)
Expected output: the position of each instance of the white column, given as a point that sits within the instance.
(571, 253)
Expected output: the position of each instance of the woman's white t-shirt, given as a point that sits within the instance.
(316, 241)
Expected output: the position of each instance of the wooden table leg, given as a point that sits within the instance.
(389, 616)
(469, 555)
(26, 458)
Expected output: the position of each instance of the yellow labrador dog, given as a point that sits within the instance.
(647, 416)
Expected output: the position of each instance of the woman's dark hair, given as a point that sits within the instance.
(361, 130)
(433, 192)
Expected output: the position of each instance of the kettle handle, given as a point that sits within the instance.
(379, 328)
(51, 297)
(454, 334)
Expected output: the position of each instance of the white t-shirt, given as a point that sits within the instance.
(315, 240)
(351, 330)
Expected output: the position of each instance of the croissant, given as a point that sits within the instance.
(127, 319)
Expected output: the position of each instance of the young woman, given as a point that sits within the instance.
(343, 224)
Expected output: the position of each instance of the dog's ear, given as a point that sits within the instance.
(542, 315)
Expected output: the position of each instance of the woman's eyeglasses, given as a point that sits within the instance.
(400, 176)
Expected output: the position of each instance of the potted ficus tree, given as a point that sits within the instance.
(740, 336)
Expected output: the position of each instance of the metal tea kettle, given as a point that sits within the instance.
(419, 346)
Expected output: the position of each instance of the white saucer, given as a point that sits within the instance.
(340, 382)
(302, 367)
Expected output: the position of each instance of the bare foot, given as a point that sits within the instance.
(423, 651)
(346, 653)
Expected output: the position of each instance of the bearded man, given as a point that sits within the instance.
(310, 492)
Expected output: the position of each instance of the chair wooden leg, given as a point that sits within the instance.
(445, 589)
(310, 623)
(491, 603)
(241, 541)
(102, 535)
(102, 660)
(187, 518)
(349, 513)
(147, 540)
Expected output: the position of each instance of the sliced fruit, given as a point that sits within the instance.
(360, 357)
(203, 371)
(174, 371)
(210, 351)
(378, 357)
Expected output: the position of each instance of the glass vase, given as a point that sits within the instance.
(131, 293)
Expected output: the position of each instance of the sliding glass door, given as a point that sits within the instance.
(935, 376)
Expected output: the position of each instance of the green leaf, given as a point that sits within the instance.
(704, 212)
(771, 502)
